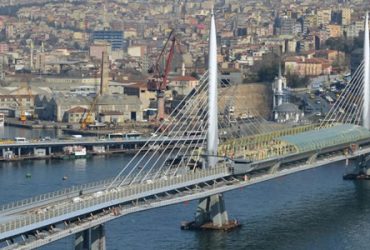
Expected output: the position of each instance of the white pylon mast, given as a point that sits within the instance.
(366, 108)
(212, 139)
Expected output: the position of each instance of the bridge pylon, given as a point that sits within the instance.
(366, 88)
(211, 212)
(91, 239)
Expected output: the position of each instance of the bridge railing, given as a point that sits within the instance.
(54, 195)
(118, 195)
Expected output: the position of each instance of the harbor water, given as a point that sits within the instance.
(313, 209)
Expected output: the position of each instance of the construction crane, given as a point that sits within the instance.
(159, 80)
(88, 119)
(22, 116)
(29, 91)
(20, 105)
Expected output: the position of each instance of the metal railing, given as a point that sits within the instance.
(54, 195)
(128, 192)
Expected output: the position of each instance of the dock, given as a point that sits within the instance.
(53, 148)
(14, 122)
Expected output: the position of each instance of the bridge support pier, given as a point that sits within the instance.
(312, 159)
(91, 239)
(360, 171)
(211, 214)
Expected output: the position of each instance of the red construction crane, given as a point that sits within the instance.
(159, 80)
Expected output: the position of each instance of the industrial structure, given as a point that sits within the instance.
(159, 80)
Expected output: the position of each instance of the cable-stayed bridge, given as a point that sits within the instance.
(217, 156)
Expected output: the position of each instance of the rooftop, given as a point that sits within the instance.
(326, 137)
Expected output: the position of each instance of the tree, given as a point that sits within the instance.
(195, 75)
(339, 44)
(267, 73)
(296, 81)
(268, 69)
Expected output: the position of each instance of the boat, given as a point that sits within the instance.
(99, 150)
(73, 152)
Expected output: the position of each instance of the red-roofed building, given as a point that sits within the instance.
(183, 84)
(111, 116)
(76, 114)
(307, 67)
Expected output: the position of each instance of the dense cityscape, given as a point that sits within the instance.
(53, 49)
(110, 108)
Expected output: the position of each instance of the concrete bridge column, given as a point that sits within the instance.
(49, 150)
(3, 152)
(211, 214)
(19, 151)
(312, 159)
(91, 239)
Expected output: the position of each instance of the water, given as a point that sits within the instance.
(11, 132)
(313, 209)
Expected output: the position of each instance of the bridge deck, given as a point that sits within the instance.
(129, 199)
(185, 191)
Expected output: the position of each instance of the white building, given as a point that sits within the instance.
(287, 112)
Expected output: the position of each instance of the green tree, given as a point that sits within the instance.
(296, 81)
(268, 68)
(339, 44)
(267, 73)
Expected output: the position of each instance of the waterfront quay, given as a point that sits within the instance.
(55, 148)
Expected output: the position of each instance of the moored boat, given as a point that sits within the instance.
(73, 152)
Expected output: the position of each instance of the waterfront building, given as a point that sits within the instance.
(111, 117)
(57, 107)
(76, 114)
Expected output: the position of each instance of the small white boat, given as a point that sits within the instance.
(74, 152)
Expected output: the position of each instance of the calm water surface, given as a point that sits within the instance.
(314, 209)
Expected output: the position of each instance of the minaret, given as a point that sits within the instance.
(212, 137)
(31, 56)
(183, 70)
(105, 20)
(366, 89)
(278, 89)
